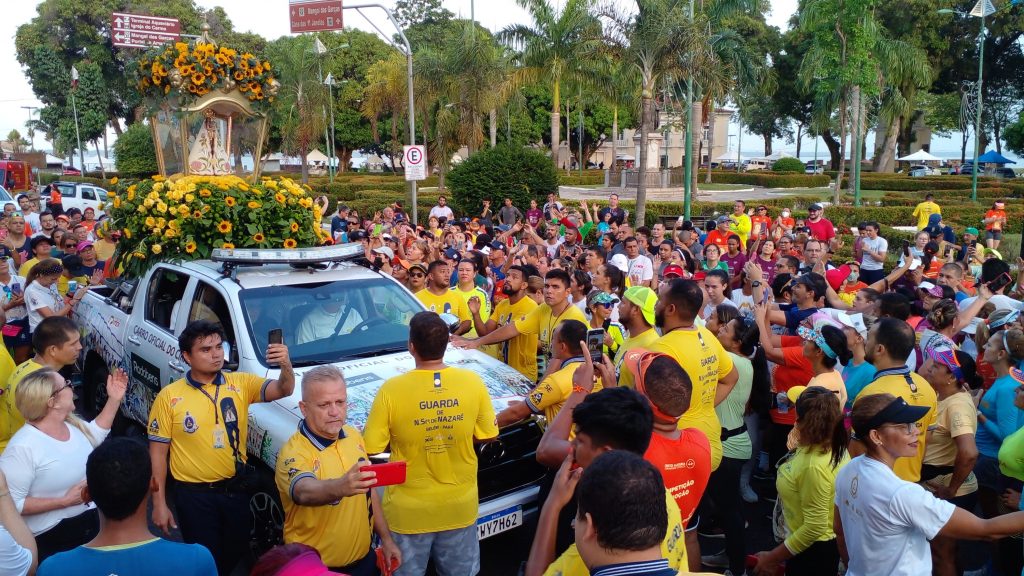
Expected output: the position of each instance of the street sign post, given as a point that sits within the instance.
(142, 31)
(315, 15)
(415, 162)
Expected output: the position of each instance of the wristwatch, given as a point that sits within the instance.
(755, 283)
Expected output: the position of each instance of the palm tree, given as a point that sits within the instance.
(620, 89)
(554, 50)
(298, 115)
(383, 95)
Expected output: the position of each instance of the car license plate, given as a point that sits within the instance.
(499, 522)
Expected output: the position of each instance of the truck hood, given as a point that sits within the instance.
(271, 424)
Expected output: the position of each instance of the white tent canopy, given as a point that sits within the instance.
(920, 156)
(730, 156)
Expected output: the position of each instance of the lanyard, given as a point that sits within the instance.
(216, 395)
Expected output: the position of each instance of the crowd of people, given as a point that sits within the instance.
(684, 373)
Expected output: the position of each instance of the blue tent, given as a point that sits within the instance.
(992, 157)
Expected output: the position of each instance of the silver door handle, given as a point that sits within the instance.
(134, 340)
(176, 366)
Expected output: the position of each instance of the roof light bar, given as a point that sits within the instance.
(320, 254)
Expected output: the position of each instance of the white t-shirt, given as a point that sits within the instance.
(742, 301)
(709, 308)
(15, 559)
(879, 244)
(553, 248)
(6, 294)
(640, 270)
(442, 212)
(887, 522)
(39, 466)
(320, 324)
(38, 296)
(1000, 301)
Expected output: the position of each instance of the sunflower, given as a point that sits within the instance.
(117, 202)
(230, 200)
(198, 78)
(258, 237)
(279, 197)
(253, 205)
(190, 247)
(290, 243)
(227, 246)
(156, 248)
(205, 193)
(127, 233)
(197, 214)
(113, 181)
(295, 227)
(239, 75)
(224, 227)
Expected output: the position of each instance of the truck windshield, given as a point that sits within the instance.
(328, 322)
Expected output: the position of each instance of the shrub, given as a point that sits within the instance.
(771, 179)
(788, 165)
(135, 152)
(519, 173)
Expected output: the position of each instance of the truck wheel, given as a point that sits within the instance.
(267, 516)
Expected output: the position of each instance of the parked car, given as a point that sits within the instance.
(5, 196)
(811, 168)
(79, 195)
(1004, 172)
(72, 171)
(923, 170)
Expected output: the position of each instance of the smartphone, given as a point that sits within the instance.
(595, 344)
(275, 336)
(377, 229)
(388, 473)
(906, 248)
(767, 294)
(1001, 281)
(16, 288)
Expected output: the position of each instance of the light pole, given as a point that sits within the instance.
(329, 82)
(688, 167)
(981, 9)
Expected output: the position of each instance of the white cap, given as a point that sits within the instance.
(620, 262)
(855, 321)
(387, 252)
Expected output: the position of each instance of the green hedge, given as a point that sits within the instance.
(771, 179)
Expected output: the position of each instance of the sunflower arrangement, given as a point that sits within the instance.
(193, 71)
(186, 217)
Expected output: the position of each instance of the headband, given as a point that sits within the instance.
(1004, 320)
(54, 269)
(816, 336)
(947, 357)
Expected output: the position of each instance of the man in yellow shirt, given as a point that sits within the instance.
(890, 343)
(636, 313)
(467, 289)
(202, 422)
(700, 353)
(541, 321)
(739, 222)
(519, 352)
(322, 486)
(924, 210)
(57, 343)
(550, 395)
(430, 418)
(439, 299)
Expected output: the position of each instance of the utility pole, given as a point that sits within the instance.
(74, 109)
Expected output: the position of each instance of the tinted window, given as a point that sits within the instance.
(166, 287)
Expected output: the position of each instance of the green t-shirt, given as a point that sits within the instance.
(730, 411)
(1011, 455)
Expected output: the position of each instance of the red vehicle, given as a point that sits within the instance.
(15, 176)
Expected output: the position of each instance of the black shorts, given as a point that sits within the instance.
(993, 234)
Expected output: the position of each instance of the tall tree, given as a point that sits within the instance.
(17, 143)
(555, 49)
(298, 119)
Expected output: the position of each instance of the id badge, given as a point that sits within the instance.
(218, 438)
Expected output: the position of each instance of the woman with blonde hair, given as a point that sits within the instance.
(45, 459)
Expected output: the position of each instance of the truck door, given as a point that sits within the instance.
(151, 347)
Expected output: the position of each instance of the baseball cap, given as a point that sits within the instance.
(930, 289)
(83, 245)
(855, 321)
(722, 220)
(815, 206)
(699, 276)
(836, 276)
(644, 298)
(972, 230)
(637, 361)
(896, 412)
(674, 270)
(452, 254)
(620, 262)
(419, 265)
(387, 252)
(305, 564)
(497, 245)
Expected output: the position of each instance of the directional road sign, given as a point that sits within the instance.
(415, 162)
(314, 15)
(142, 31)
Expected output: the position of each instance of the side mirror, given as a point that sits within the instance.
(452, 321)
(230, 356)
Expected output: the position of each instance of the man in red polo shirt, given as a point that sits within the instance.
(821, 228)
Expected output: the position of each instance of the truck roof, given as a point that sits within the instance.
(261, 276)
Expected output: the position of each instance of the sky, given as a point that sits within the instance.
(272, 22)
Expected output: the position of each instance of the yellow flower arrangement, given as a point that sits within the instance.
(230, 201)
(190, 247)
(295, 227)
(224, 227)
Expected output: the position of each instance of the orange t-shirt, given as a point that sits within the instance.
(788, 222)
(996, 226)
(795, 370)
(762, 224)
(718, 239)
(933, 268)
(685, 466)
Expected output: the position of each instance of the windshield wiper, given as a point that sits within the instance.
(356, 356)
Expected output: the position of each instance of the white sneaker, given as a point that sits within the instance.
(749, 496)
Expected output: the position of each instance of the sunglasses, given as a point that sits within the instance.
(905, 428)
(417, 275)
(67, 384)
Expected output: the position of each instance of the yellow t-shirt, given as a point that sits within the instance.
(923, 211)
(430, 419)
(304, 456)
(519, 352)
(10, 419)
(642, 340)
(956, 415)
(447, 303)
(550, 395)
(485, 307)
(673, 548)
(202, 438)
(807, 485)
(700, 353)
(920, 394)
(27, 266)
(542, 322)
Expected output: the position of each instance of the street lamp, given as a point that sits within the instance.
(981, 9)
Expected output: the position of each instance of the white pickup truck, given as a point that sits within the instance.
(135, 325)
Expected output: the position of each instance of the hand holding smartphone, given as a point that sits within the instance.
(595, 344)
(1000, 282)
(388, 473)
